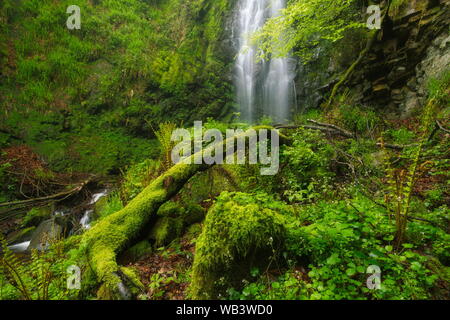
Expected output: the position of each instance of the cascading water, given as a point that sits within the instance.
(251, 18)
(263, 87)
(85, 223)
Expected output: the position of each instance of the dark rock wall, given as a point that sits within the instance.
(413, 46)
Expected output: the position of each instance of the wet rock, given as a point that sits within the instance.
(21, 235)
(46, 233)
(414, 48)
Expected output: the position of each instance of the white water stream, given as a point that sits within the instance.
(84, 221)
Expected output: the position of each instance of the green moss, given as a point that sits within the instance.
(189, 213)
(171, 209)
(166, 230)
(37, 215)
(132, 280)
(82, 98)
(137, 251)
(239, 226)
(193, 232)
(194, 213)
(113, 234)
(107, 206)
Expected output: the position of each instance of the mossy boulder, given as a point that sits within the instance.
(171, 209)
(46, 233)
(20, 235)
(241, 231)
(100, 206)
(194, 213)
(193, 232)
(116, 232)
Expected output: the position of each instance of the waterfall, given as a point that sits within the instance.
(263, 87)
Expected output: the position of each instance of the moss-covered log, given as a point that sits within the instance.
(117, 232)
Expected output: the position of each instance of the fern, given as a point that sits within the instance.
(164, 136)
(13, 269)
(401, 182)
(32, 278)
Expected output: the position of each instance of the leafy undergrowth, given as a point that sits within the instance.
(165, 273)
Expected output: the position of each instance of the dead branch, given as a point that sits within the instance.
(341, 131)
(440, 126)
(335, 130)
(61, 196)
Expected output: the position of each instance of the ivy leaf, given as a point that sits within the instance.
(350, 272)
(334, 259)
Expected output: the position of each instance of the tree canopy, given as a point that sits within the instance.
(304, 24)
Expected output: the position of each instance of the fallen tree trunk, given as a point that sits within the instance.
(112, 235)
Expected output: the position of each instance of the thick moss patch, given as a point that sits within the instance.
(239, 227)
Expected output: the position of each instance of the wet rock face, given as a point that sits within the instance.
(413, 47)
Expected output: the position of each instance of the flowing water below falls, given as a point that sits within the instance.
(86, 219)
(264, 88)
(35, 241)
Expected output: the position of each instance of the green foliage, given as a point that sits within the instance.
(139, 250)
(358, 120)
(111, 204)
(112, 234)
(307, 173)
(305, 24)
(5, 181)
(137, 177)
(164, 136)
(131, 62)
(165, 230)
(44, 277)
(36, 215)
(401, 182)
(338, 241)
(286, 287)
(401, 136)
(438, 88)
